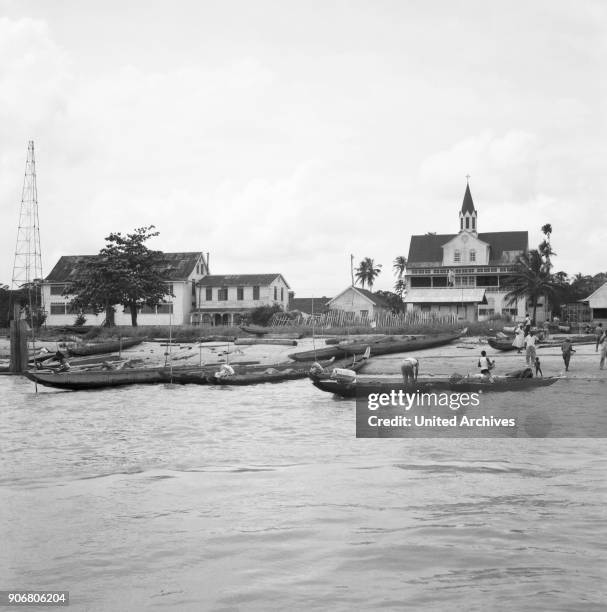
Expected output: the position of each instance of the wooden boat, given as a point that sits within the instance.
(254, 329)
(296, 371)
(112, 346)
(466, 384)
(266, 340)
(502, 344)
(98, 379)
(384, 347)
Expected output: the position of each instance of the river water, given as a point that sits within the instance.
(194, 498)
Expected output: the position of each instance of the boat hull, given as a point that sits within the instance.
(104, 347)
(99, 380)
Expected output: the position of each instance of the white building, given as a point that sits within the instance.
(181, 270)
(361, 302)
(224, 299)
(464, 273)
(597, 302)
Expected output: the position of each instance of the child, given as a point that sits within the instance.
(538, 367)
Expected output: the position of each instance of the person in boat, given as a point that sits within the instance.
(538, 367)
(599, 331)
(409, 369)
(519, 338)
(567, 349)
(64, 365)
(224, 371)
(530, 343)
(316, 369)
(485, 364)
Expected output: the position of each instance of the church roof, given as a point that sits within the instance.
(468, 204)
(428, 248)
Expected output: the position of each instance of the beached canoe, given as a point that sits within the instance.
(255, 329)
(502, 344)
(383, 347)
(112, 346)
(364, 386)
(266, 340)
(99, 379)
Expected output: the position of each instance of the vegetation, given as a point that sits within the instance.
(395, 301)
(125, 272)
(366, 272)
(262, 314)
(29, 298)
(399, 265)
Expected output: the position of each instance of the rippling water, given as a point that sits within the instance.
(194, 498)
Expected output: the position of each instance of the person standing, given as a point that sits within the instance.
(599, 332)
(567, 349)
(519, 338)
(527, 325)
(603, 347)
(409, 370)
(530, 342)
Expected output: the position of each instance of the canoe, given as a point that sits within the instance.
(362, 387)
(384, 347)
(254, 329)
(98, 379)
(502, 344)
(266, 340)
(296, 371)
(105, 347)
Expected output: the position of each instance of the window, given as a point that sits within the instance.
(474, 223)
(165, 309)
(282, 294)
(209, 295)
(57, 289)
(255, 293)
(57, 308)
(169, 289)
(240, 293)
(222, 294)
(457, 256)
(275, 293)
(461, 223)
(467, 222)
(364, 314)
(472, 255)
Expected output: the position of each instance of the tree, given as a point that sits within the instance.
(530, 280)
(125, 272)
(367, 272)
(399, 265)
(394, 300)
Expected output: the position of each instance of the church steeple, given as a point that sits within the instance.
(468, 215)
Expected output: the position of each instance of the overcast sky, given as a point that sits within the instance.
(283, 136)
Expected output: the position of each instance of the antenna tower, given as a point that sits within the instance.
(27, 268)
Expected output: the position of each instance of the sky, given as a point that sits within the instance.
(283, 136)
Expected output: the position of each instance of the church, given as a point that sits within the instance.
(464, 273)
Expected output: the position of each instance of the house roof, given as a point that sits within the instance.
(176, 266)
(428, 248)
(240, 280)
(374, 299)
(468, 204)
(598, 298)
(309, 305)
(445, 296)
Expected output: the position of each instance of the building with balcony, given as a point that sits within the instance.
(464, 273)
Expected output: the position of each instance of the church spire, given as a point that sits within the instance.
(468, 214)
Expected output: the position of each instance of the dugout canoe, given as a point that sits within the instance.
(266, 340)
(254, 329)
(386, 347)
(295, 372)
(362, 387)
(502, 344)
(112, 346)
(99, 379)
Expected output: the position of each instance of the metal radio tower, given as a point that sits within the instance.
(27, 269)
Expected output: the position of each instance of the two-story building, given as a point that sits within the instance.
(464, 273)
(225, 299)
(181, 272)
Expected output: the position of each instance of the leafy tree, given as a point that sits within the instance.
(400, 287)
(394, 300)
(367, 272)
(399, 265)
(262, 314)
(125, 272)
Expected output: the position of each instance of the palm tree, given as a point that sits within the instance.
(399, 265)
(367, 272)
(530, 280)
(400, 286)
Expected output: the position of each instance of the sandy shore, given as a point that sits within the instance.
(461, 357)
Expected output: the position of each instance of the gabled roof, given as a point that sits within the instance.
(371, 297)
(176, 266)
(309, 305)
(598, 298)
(240, 280)
(468, 204)
(428, 248)
(445, 296)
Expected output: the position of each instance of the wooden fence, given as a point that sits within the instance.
(341, 318)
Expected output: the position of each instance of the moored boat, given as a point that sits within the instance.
(99, 378)
(363, 386)
(112, 346)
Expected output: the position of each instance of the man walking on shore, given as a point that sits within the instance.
(599, 332)
(530, 342)
(567, 349)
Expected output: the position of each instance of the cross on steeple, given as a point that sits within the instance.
(467, 178)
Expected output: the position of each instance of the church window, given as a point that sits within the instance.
(474, 223)
(467, 222)
(472, 255)
(461, 223)
(457, 256)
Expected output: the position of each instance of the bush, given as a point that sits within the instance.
(80, 320)
(262, 314)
